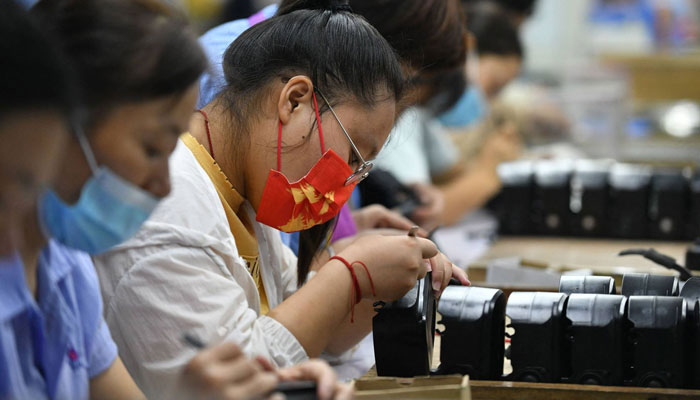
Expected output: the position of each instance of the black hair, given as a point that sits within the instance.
(34, 75)
(124, 50)
(494, 32)
(288, 6)
(523, 7)
(428, 35)
(518, 7)
(343, 55)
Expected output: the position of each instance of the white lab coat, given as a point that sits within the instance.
(181, 273)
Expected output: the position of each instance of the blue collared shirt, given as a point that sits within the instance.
(50, 348)
(215, 42)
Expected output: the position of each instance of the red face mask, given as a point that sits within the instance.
(313, 199)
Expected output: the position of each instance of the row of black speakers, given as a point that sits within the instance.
(648, 336)
(597, 198)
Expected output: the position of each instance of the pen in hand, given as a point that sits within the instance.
(193, 341)
(292, 390)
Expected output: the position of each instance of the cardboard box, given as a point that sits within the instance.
(428, 387)
(660, 77)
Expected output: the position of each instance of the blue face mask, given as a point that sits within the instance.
(110, 210)
(470, 109)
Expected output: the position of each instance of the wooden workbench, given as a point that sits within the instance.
(566, 254)
(505, 390)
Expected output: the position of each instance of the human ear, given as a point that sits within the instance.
(294, 97)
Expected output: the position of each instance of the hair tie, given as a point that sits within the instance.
(341, 7)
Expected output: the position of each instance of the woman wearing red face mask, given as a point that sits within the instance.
(311, 96)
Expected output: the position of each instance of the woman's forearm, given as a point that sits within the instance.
(468, 192)
(316, 311)
(348, 334)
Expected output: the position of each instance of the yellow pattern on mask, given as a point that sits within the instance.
(305, 192)
(298, 223)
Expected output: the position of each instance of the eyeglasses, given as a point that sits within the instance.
(362, 171)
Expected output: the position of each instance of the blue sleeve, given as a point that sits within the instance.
(215, 42)
(355, 198)
(291, 240)
(103, 352)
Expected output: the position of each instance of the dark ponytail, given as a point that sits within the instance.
(343, 55)
(124, 50)
(311, 241)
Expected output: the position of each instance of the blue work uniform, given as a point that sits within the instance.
(51, 346)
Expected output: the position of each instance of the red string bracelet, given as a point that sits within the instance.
(355, 283)
(371, 283)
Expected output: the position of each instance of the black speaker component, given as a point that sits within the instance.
(589, 197)
(668, 205)
(628, 201)
(692, 359)
(551, 207)
(404, 332)
(598, 338)
(513, 204)
(692, 256)
(691, 289)
(587, 284)
(473, 339)
(298, 390)
(691, 293)
(649, 285)
(657, 321)
(693, 223)
(539, 351)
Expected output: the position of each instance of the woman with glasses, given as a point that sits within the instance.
(310, 99)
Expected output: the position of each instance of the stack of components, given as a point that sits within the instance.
(647, 336)
(597, 198)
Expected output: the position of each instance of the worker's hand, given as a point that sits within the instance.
(326, 380)
(429, 213)
(395, 263)
(378, 216)
(443, 271)
(223, 372)
(502, 145)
